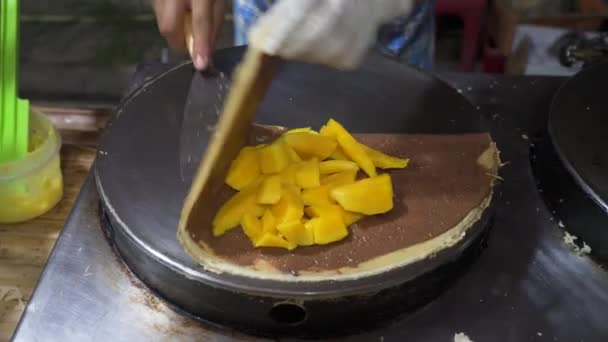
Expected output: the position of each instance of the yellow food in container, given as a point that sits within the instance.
(31, 186)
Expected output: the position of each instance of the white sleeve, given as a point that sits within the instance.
(336, 33)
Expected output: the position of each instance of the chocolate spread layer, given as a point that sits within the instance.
(441, 185)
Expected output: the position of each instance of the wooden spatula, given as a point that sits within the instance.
(250, 83)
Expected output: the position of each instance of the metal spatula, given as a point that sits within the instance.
(250, 83)
(200, 117)
(201, 112)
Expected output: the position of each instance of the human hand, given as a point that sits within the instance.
(204, 17)
(336, 33)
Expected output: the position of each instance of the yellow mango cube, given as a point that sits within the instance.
(252, 227)
(295, 233)
(307, 174)
(327, 229)
(352, 148)
(338, 154)
(309, 145)
(350, 217)
(244, 169)
(269, 222)
(289, 207)
(288, 175)
(334, 210)
(293, 189)
(272, 240)
(292, 154)
(340, 178)
(316, 196)
(325, 210)
(273, 158)
(270, 190)
(334, 166)
(369, 196)
(384, 161)
(320, 195)
(230, 214)
(330, 131)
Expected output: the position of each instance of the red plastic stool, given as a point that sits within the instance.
(472, 13)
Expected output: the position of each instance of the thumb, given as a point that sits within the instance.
(202, 32)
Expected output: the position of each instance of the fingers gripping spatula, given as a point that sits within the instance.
(250, 83)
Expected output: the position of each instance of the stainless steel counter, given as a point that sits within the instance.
(527, 286)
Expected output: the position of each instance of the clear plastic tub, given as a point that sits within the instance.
(31, 186)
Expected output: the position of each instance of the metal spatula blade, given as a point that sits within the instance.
(201, 112)
(251, 81)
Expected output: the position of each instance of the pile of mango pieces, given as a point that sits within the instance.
(306, 188)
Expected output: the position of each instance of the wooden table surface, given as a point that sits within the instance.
(25, 247)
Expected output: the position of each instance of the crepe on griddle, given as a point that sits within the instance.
(438, 198)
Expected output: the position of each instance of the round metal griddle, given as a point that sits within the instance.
(141, 188)
(572, 159)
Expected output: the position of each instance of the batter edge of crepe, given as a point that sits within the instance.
(488, 160)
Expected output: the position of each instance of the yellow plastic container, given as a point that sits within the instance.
(31, 186)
